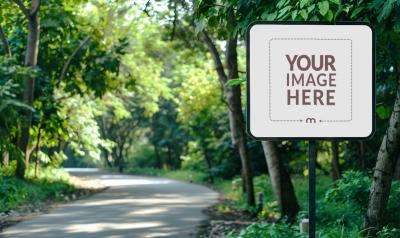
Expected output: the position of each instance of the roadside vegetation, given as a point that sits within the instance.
(156, 88)
(339, 210)
(48, 185)
(41, 190)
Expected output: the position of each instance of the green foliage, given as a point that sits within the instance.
(268, 230)
(50, 184)
(140, 91)
(8, 171)
(339, 213)
(194, 159)
(353, 189)
(323, 7)
(389, 232)
(234, 82)
(392, 218)
(383, 111)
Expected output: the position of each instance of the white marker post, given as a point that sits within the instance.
(310, 81)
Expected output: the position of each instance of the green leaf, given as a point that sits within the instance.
(281, 3)
(323, 7)
(335, 1)
(283, 11)
(346, 9)
(294, 14)
(383, 111)
(356, 11)
(272, 16)
(200, 25)
(303, 3)
(386, 10)
(329, 15)
(234, 82)
(268, 16)
(15, 103)
(310, 8)
(304, 14)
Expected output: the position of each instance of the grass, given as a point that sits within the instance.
(50, 184)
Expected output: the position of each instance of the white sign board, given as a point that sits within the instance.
(310, 80)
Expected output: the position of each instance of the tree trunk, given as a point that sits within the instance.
(6, 159)
(159, 164)
(397, 169)
(336, 172)
(31, 57)
(207, 158)
(107, 158)
(236, 119)
(384, 170)
(362, 156)
(115, 156)
(37, 149)
(281, 182)
(169, 158)
(4, 41)
(120, 165)
(121, 158)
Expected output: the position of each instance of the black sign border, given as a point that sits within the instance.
(307, 23)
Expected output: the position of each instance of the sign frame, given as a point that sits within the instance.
(248, 109)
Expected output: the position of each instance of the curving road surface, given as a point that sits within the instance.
(133, 206)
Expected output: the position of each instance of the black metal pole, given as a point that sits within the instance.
(312, 158)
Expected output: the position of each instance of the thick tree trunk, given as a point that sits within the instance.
(31, 57)
(336, 172)
(236, 119)
(383, 171)
(281, 182)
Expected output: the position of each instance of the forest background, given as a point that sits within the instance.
(156, 88)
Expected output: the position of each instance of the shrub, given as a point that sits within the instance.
(268, 230)
(352, 189)
(8, 171)
(49, 184)
(389, 232)
(391, 216)
(12, 194)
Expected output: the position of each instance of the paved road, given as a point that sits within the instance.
(133, 206)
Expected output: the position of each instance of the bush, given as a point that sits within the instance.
(269, 230)
(8, 171)
(352, 189)
(391, 216)
(389, 232)
(49, 184)
(12, 194)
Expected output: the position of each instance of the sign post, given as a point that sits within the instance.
(310, 81)
(312, 208)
